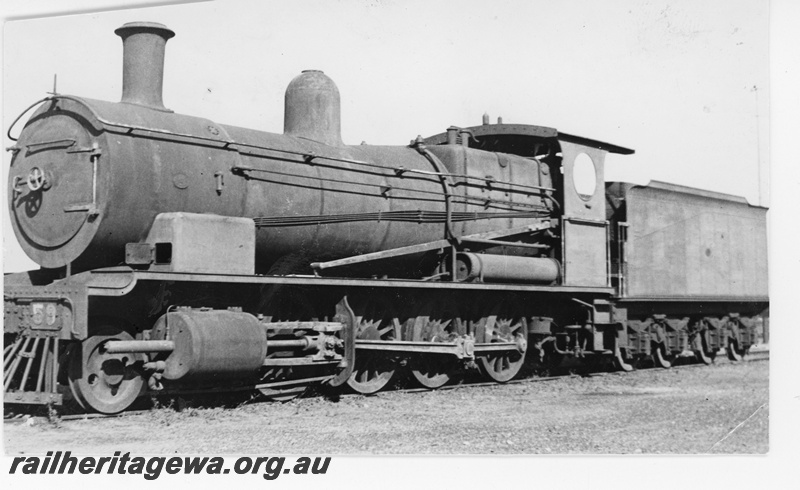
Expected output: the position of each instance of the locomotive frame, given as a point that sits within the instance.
(502, 270)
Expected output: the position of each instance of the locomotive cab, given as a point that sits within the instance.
(574, 167)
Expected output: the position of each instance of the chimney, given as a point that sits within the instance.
(143, 46)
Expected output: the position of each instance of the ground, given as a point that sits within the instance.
(721, 408)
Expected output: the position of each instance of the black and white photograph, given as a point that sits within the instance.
(400, 243)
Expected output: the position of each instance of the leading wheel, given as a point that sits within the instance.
(103, 382)
(286, 391)
(372, 372)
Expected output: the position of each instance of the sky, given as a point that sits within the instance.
(685, 83)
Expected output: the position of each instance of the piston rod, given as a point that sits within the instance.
(300, 343)
(138, 346)
(145, 346)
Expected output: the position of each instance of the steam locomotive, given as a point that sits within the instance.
(181, 256)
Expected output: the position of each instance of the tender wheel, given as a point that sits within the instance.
(431, 371)
(703, 357)
(701, 350)
(660, 358)
(734, 353)
(502, 367)
(102, 382)
(619, 361)
(373, 370)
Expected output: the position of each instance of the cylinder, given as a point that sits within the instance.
(505, 268)
(143, 46)
(217, 344)
(313, 108)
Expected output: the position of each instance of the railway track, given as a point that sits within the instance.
(755, 356)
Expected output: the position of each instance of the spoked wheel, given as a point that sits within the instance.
(432, 371)
(285, 392)
(373, 370)
(435, 324)
(660, 357)
(103, 382)
(503, 366)
(734, 353)
(286, 304)
(282, 394)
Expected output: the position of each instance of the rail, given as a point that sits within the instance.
(759, 356)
